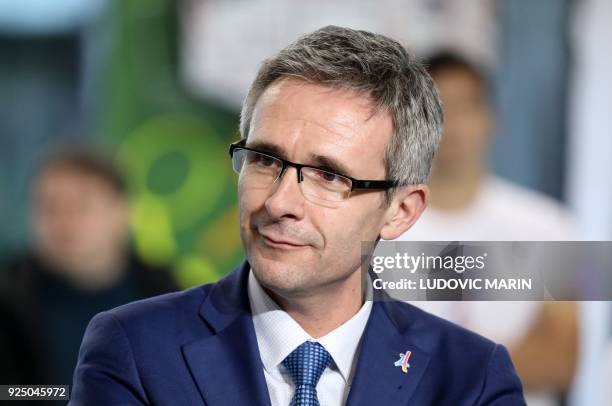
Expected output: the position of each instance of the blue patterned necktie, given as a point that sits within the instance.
(305, 365)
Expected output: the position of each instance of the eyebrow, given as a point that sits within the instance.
(318, 161)
(267, 147)
(329, 164)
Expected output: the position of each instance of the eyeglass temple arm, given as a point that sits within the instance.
(374, 184)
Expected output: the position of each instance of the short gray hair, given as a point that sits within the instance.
(374, 65)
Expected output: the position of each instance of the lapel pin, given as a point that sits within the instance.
(403, 361)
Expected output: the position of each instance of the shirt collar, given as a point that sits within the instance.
(278, 334)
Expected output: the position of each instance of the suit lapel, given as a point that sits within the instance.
(227, 368)
(377, 380)
(226, 365)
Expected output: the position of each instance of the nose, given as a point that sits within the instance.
(286, 199)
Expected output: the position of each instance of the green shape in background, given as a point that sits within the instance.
(188, 135)
(178, 174)
(153, 235)
(184, 211)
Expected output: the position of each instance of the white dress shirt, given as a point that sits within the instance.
(278, 335)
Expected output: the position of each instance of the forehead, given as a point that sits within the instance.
(60, 180)
(304, 119)
(457, 80)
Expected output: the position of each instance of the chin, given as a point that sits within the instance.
(282, 276)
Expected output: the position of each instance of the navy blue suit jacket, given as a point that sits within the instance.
(199, 347)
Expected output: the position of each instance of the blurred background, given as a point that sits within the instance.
(115, 117)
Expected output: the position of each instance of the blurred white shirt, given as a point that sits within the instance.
(502, 211)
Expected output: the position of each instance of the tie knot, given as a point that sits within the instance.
(306, 363)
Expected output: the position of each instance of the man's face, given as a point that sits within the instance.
(79, 220)
(297, 247)
(467, 119)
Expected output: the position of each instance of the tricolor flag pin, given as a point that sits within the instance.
(403, 361)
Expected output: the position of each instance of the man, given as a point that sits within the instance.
(338, 132)
(470, 204)
(79, 265)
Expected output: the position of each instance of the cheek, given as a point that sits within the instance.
(46, 232)
(482, 126)
(346, 229)
(250, 201)
(102, 223)
(343, 238)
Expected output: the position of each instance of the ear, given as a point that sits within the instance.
(407, 205)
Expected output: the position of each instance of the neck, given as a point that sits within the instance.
(322, 312)
(103, 275)
(457, 187)
(96, 274)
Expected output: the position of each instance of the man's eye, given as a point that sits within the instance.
(263, 160)
(329, 177)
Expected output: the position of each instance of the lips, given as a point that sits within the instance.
(280, 242)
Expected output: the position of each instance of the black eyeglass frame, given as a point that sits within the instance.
(356, 184)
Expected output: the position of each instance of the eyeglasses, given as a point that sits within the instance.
(262, 169)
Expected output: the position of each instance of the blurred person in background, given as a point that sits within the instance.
(470, 204)
(80, 264)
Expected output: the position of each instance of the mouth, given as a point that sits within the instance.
(273, 241)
